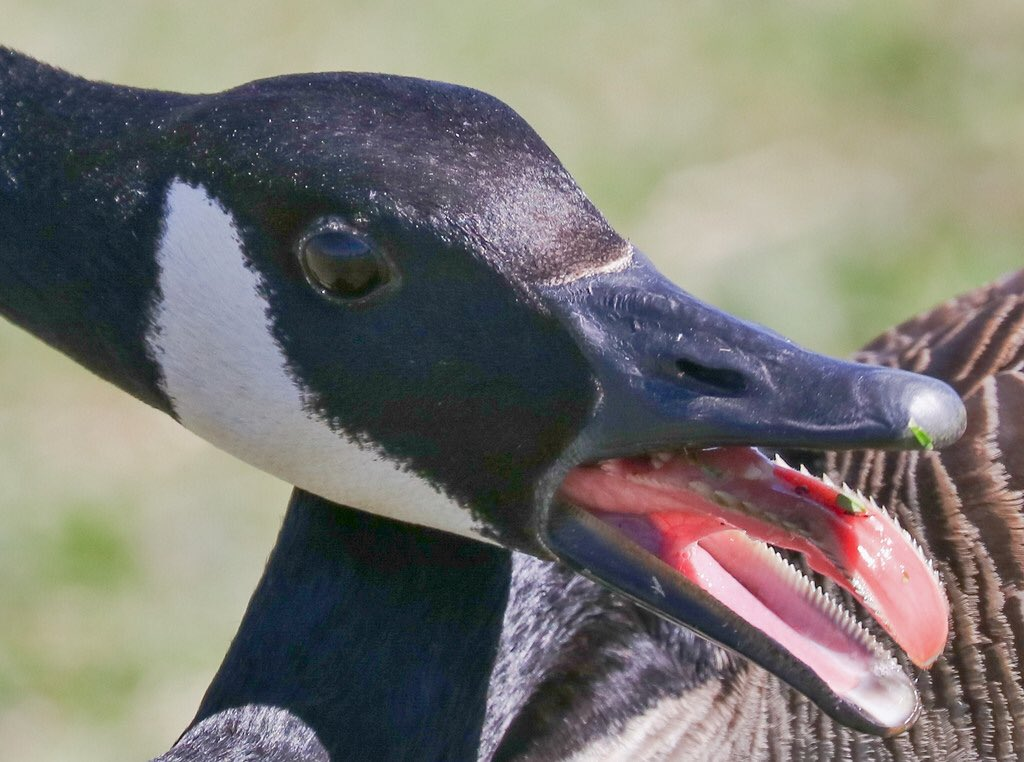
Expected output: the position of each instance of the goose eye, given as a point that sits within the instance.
(343, 264)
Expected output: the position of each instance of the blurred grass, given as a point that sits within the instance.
(826, 169)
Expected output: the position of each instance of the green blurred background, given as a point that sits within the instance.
(824, 168)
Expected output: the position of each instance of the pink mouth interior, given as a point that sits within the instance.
(709, 514)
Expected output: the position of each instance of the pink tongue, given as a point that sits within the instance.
(732, 568)
(692, 498)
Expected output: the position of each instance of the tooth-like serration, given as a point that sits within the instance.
(659, 459)
(780, 462)
(803, 470)
(917, 549)
(828, 481)
(841, 616)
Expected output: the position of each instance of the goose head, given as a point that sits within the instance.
(390, 293)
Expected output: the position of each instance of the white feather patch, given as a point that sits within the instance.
(228, 380)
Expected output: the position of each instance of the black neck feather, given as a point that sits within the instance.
(379, 636)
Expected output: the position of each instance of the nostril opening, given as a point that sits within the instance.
(724, 380)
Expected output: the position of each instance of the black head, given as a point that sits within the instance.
(401, 231)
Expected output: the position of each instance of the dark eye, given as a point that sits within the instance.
(343, 264)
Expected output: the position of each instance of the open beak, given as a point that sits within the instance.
(664, 497)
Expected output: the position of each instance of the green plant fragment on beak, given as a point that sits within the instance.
(923, 437)
(849, 505)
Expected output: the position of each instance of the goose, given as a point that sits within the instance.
(389, 293)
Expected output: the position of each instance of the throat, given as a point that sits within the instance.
(379, 636)
(578, 664)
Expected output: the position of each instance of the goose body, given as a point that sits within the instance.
(391, 294)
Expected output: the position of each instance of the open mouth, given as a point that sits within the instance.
(715, 516)
(694, 534)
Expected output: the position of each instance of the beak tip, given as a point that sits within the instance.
(937, 416)
(885, 704)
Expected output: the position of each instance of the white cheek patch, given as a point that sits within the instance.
(229, 382)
